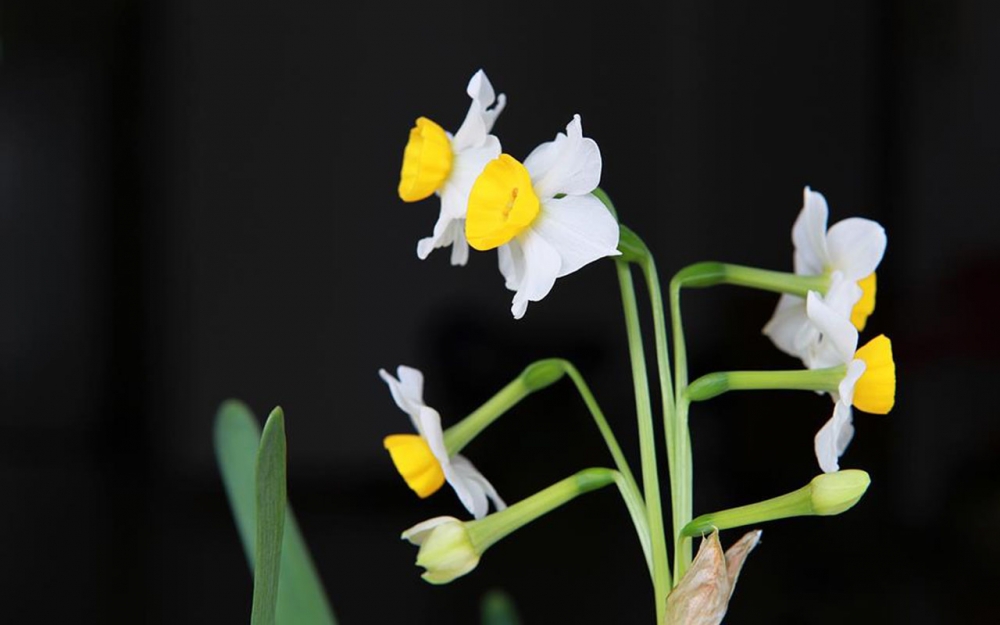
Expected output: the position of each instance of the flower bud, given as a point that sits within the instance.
(446, 549)
(833, 493)
(543, 373)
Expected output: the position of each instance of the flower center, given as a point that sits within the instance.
(875, 391)
(426, 161)
(416, 463)
(866, 305)
(502, 204)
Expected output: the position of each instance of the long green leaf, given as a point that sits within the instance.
(498, 609)
(301, 599)
(271, 498)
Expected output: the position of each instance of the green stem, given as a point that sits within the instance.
(711, 273)
(539, 375)
(636, 251)
(684, 465)
(486, 532)
(462, 433)
(647, 444)
(715, 384)
(626, 484)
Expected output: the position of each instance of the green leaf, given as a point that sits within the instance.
(498, 609)
(271, 498)
(301, 599)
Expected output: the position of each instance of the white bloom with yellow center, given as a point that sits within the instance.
(869, 383)
(422, 459)
(849, 252)
(438, 162)
(542, 215)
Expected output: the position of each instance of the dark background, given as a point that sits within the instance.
(197, 201)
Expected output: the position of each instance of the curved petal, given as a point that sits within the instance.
(541, 267)
(429, 427)
(845, 390)
(580, 228)
(786, 324)
(447, 231)
(470, 480)
(856, 247)
(839, 338)
(466, 167)
(833, 438)
(482, 113)
(809, 235)
(406, 392)
(510, 257)
(842, 294)
(571, 164)
(420, 531)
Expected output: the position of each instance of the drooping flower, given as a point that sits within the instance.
(446, 551)
(542, 215)
(869, 383)
(422, 458)
(436, 161)
(848, 253)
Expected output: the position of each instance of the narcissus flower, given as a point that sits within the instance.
(869, 383)
(542, 215)
(446, 551)
(848, 253)
(422, 459)
(436, 161)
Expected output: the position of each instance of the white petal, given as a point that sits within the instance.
(419, 532)
(842, 294)
(856, 247)
(571, 164)
(855, 369)
(809, 235)
(510, 258)
(840, 338)
(429, 427)
(447, 231)
(580, 228)
(481, 117)
(465, 169)
(832, 439)
(786, 324)
(408, 395)
(541, 267)
(467, 478)
(460, 246)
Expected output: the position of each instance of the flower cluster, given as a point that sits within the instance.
(546, 218)
(540, 215)
(822, 329)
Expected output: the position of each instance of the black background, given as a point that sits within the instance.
(197, 201)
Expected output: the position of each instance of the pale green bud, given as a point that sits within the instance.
(446, 549)
(543, 373)
(833, 493)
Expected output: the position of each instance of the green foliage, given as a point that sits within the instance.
(301, 599)
(497, 608)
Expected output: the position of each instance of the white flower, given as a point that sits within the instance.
(437, 162)
(422, 459)
(542, 215)
(869, 381)
(849, 252)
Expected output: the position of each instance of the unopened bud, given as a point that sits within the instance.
(446, 549)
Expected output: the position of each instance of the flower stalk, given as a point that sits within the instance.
(715, 384)
(826, 495)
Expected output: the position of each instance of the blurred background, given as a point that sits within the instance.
(198, 202)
